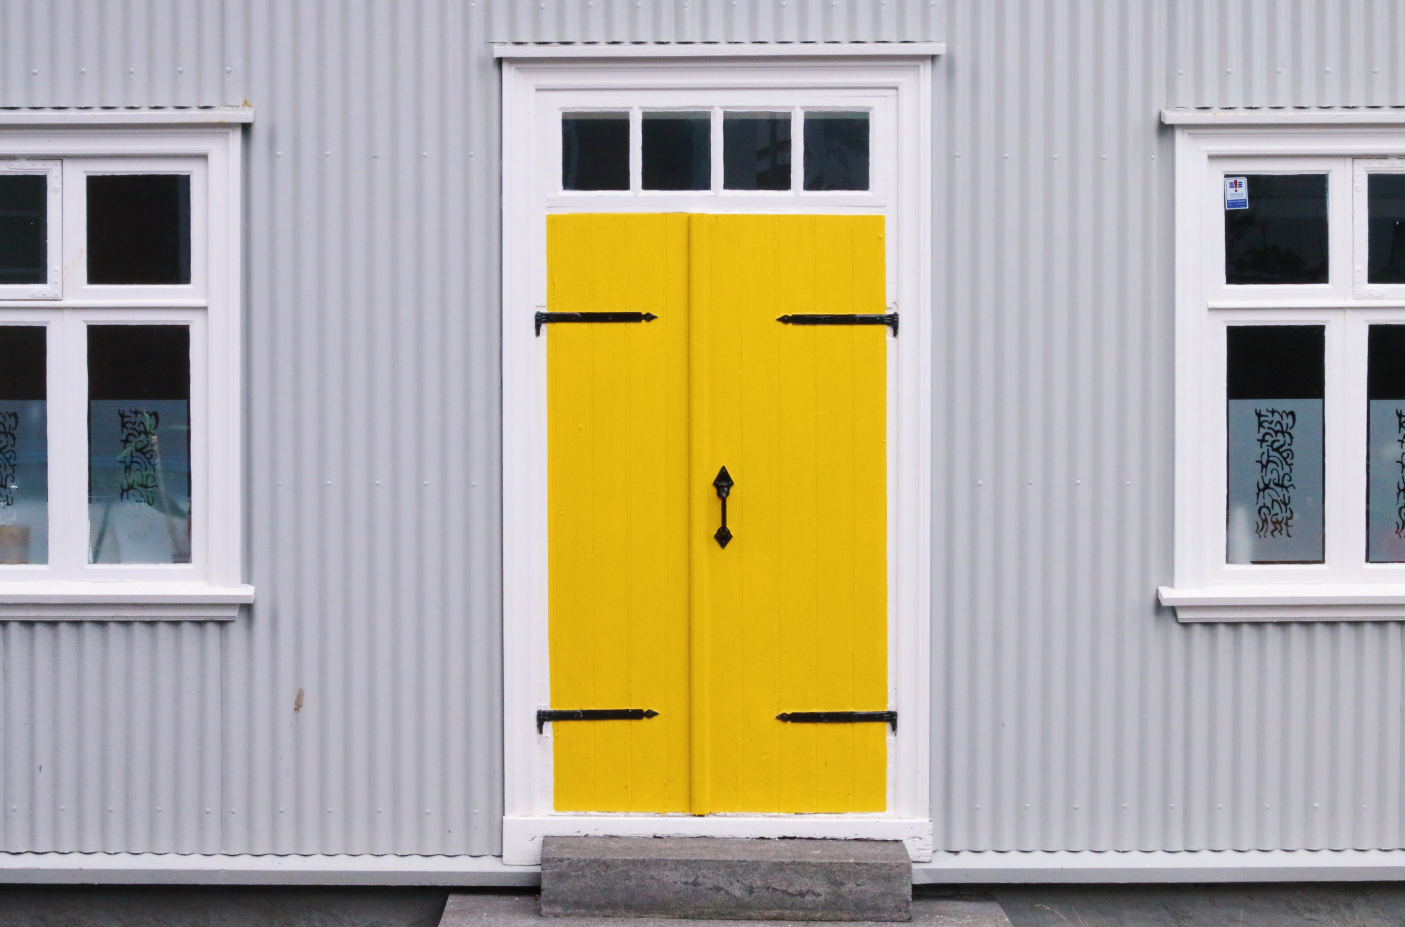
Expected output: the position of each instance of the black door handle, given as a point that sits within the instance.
(723, 484)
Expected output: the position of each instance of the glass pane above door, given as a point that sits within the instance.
(595, 151)
(677, 151)
(756, 151)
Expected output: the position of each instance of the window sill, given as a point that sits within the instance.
(1287, 602)
(91, 601)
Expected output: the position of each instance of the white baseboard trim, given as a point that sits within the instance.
(988, 867)
(962, 868)
(242, 869)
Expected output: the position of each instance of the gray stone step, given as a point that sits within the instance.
(712, 878)
(486, 909)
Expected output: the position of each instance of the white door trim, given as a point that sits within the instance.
(898, 90)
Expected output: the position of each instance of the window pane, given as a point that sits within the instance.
(595, 151)
(139, 443)
(24, 445)
(836, 151)
(1385, 461)
(24, 228)
(1275, 381)
(1281, 235)
(756, 151)
(1385, 195)
(677, 151)
(139, 228)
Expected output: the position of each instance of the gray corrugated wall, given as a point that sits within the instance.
(1070, 712)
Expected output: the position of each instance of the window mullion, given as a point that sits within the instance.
(68, 484)
(1345, 449)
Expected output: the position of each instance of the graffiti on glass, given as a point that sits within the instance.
(140, 456)
(1400, 481)
(1274, 491)
(9, 456)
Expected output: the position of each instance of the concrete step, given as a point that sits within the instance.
(712, 878)
(487, 909)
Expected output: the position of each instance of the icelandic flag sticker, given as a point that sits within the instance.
(1236, 193)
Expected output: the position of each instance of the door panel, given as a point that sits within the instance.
(792, 614)
(646, 609)
(617, 445)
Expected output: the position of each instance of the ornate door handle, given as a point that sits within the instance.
(723, 484)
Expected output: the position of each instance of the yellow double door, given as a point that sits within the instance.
(647, 610)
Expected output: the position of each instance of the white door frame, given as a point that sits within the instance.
(893, 81)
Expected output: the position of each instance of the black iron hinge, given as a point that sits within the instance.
(592, 714)
(545, 317)
(839, 717)
(890, 319)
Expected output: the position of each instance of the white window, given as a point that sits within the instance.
(119, 383)
(1290, 371)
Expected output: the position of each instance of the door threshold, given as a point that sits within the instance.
(522, 834)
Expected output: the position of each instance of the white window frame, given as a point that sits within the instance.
(50, 289)
(893, 82)
(1209, 146)
(211, 586)
(1361, 232)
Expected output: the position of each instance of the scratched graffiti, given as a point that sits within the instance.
(140, 456)
(1400, 478)
(1273, 493)
(9, 456)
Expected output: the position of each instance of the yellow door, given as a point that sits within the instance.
(647, 609)
(617, 491)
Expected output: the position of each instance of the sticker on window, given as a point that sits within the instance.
(1236, 193)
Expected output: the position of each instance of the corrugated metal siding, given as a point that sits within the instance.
(1286, 53)
(111, 736)
(374, 447)
(1070, 712)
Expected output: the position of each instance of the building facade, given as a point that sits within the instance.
(352, 696)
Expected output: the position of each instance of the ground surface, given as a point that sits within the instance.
(1378, 904)
(465, 910)
(1327, 905)
(178, 906)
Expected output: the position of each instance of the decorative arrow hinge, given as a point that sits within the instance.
(544, 318)
(839, 717)
(890, 319)
(592, 714)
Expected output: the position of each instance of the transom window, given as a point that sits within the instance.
(716, 149)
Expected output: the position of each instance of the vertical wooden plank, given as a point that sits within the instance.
(618, 561)
(791, 616)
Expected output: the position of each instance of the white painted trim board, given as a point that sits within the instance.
(532, 91)
(965, 868)
(722, 50)
(127, 116)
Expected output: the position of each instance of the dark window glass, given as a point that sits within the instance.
(677, 151)
(1385, 194)
(1282, 236)
(595, 151)
(24, 445)
(24, 228)
(1385, 457)
(24, 368)
(139, 228)
(1275, 443)
(139, 443)
(756, 151)
(836, 151)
